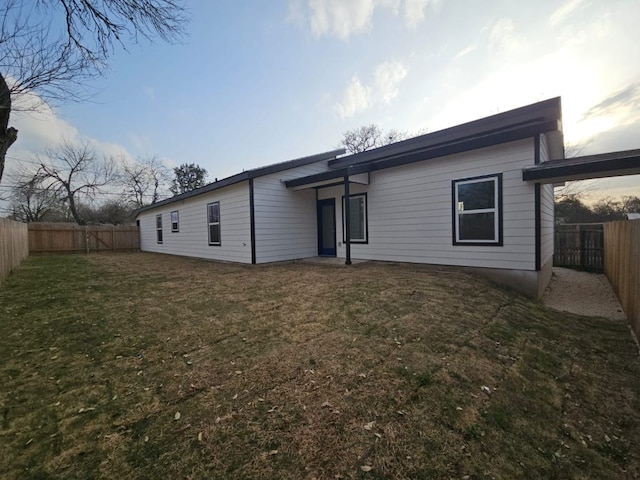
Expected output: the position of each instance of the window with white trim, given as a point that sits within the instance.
(358, 227)
(159, 228)
(477, 210)
(175, 224)
(213, 222)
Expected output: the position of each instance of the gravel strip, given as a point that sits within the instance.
(582, 293)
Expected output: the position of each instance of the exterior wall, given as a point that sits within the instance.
(410, 211)
(192, 240)
(285, 220)
(544, 148)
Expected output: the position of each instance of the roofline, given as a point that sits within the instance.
(545, 110)
(246, 175)
(626, 162)
(436, 151)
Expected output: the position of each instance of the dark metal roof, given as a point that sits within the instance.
(246, 175)
(547, 110)
(462, 144)
(611, 164)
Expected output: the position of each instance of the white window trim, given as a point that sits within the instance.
(209, 224)
(177, 222)
(365, 219)
(159, 229)
(496, 210)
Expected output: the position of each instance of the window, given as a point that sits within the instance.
(213, 221)
(357, 219)
(159, 228)
(175, 225)
(477, 211)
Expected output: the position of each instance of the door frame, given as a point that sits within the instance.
(326, 252)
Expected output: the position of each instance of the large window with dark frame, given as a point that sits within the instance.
(213, 222)
(175, 224)
(358, 227)
(477, 210)
(159, 228)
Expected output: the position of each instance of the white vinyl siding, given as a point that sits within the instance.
(193, 238)
(409, 210)
(285, 220)
(547, 210)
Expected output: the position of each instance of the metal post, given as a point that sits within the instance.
(347, 220)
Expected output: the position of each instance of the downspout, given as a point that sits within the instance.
(347, 219)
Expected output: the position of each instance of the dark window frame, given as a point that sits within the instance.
(366, 220)
(497, 209)
(159, 232)
(177, 222)
(210, 224)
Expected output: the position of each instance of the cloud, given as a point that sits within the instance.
(387, 77)
(149, 92)
(43, 129)
(382, 89)
(357, 97)
(344, 18)
(562, 12)
(619, 109)
(339, 18)
(465, 51)
(622, 102)
(502, 37)
(414, 11)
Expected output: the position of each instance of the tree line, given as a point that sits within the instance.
(571, 208)
(72, 183)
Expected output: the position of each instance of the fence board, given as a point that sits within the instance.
(579, 246)
(14, 246)
(71, 238)
(622, 266)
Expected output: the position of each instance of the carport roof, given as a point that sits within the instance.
(602, 165)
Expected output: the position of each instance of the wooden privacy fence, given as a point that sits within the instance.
(579, 246)
(622, 266)
(71, 238)
(14, 246)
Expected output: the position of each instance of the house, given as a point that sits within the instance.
(458, 196)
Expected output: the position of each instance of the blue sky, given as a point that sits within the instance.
(263, 81)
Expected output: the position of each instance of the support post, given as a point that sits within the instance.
(347, 220)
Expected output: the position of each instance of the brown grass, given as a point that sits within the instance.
(303, 371)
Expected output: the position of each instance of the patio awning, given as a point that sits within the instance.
(612, 164)
(320, 181)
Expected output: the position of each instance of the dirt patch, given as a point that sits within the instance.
(582, 293)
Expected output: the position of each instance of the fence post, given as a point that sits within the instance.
(86, 238)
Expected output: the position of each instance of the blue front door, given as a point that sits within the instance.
(327, 227)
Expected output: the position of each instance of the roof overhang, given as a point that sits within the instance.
(246, 175)
(612, 164)
(518, 132)
(358, 178)
(538, 113)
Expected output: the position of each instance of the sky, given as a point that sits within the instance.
(264, 81)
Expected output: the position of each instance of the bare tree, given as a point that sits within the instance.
(144, 181)
(30, 201)
(41, 63)
(74, 173)
(368, 137)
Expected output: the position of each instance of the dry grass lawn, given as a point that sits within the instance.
(148, 366)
